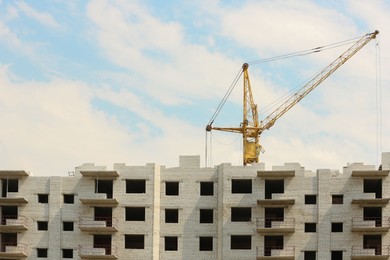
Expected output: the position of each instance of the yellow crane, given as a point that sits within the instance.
(251, 128)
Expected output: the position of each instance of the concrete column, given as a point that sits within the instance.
(156, 211)
(55, 233)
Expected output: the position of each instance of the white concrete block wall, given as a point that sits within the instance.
(323, 183)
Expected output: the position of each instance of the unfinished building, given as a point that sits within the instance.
(189, 212)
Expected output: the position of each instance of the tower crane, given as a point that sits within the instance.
(251, 128)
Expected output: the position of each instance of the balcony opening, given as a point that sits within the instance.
(373, 214)
(241, 214)
(273, 214)
(205, 243)
(309, 255)
(103, 214)
(241, 186)
(373, 186)
(68, 198)
(272, 242)
(172, 188)
(273, 186)
(206, 188)
(8, 212)
(67, 253)
(104, 186)
(373, 242)
(337, 255)
(337, 199)
(135, 186)
(135, 214)
(311, 199)
(9, 185)
(206, 216)
(337, 227)
(240, 242)
(8, 239)
(170, 243)
(102, 241)
(134, 241)
(171, 215)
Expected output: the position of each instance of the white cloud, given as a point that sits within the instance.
(6, 35)
(53, 126)
(171, 69)
(45, 19)
(277, 27)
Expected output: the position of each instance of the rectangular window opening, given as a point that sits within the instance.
(42, 225)
(205, 243)
(43, 198)
(135, 186)
(337, 199)
(42, 252)
(310, 227)
(206, 188)
(309, 255)
(135, 214)
(171, 215)
(67, 253)
(310, 199)
(68, 198)
(337, 255)
(68, 226)
(206, 216)
(170, 243)
(241, 186)
(134, 241)
(337, 227)
(172, 188)
(238, 242)
(241, 214)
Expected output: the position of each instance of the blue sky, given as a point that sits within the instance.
(137, 81)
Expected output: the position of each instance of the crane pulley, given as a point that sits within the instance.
(251, 128)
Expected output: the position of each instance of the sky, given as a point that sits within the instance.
(137, 82)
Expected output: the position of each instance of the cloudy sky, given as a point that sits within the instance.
(137, 81)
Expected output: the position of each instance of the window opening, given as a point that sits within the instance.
(241, 186)
(206, 188)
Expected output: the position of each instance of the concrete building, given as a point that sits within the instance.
(189, 212)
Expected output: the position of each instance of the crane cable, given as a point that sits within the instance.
(378, 76)
(225, 98)
(221, 104)
(305, 52)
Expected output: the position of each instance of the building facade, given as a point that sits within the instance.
(189, 212)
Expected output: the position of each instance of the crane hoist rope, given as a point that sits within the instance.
(251, 128)
(305, 52)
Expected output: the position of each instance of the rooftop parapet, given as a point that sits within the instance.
(189, 161)
(385, 161)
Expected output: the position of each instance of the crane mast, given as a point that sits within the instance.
(251, 128)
